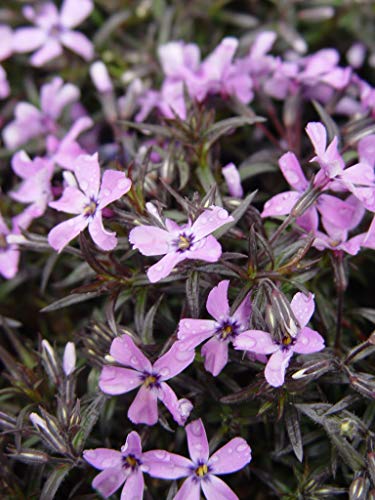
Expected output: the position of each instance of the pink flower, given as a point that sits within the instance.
(54, 29)
(306, 341)
(35, 188)
(334, 210)
(88, 201)
(6, 49)
(223, 330)
(151, 378)
(31, 122)
(9, 250)
(118, 467)
(191, 241)
(201, 470)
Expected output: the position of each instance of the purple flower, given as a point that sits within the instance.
(64, 151)
(6, 49)
(35, 188)
(223, 330)
(31, 122)
(54, 29)
(334, 210)
(191, 241)
(201, 470)
(306, 341)
(118, 467)
(88, 202)
(9, 251)
(233, 180)
(151, 378)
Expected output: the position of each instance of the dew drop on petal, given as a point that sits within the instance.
(160, 454)
(122, 183)
(241, 447)
(214, 459)
(134, 360)
(84, 185)
(106, 192)
(164, 372)
(222, 214)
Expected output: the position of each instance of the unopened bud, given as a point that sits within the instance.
(6, 421)
(69, 360)
(371, 465)
(316, 14)
(313, 370)
(38, 422)
(358, 489)
(30, 456)
(356, 55)
(100, 77)
(50, 362)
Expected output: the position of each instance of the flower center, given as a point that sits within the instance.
(202, 470)
(129, 461)
(90, 208)
(151, 380)
(227, 329)
(184, 242)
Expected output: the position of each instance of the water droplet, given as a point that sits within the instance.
(134, 360)
(230, 450)
(241, 447)
(164, 372)
(145, 468)
(160, 454)
(198, 446)
(196, 428)
(214, 459)
(203, 220)
(222, 214)
(106, 192)
(123, 183)
(291, 176)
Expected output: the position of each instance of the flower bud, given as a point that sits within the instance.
(50, 362)
(100, 77)
(30, 456)
(69, 360)
(358, 489)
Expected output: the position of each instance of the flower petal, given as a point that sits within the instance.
(63, 233)
(114, 185)
(106, 240)
(87, 171)
(194, 331)
(360, 173)
(243, 312)
(168, 397)
(190, 490)
(292, 171)
(49, 50)
(174, 361)
(72, 201)
(197, 441)
(144, 408)
(124, 350)
(134, 486)
(231, 457)
(109, 480)
(71, 16)
(165, 266)
(308, 341)
(116, 380)
(215, 353)
(165, 465)
(150, 240)
(338, 212)
(318, 136)
(9, 262)
(133, 445)
(210, 220)
(276, 367)
(77, 42)
(303, 307)
(280, 204)
(28, 39)
(217, 301)
(103, 458)
(215, 488)
(255, 341)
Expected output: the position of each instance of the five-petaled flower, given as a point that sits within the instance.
(306, 341)
(118, 467)
(201, 470)
(151, 378)
(191, 241)
(223, 330)
(54, 29)
(88, 202)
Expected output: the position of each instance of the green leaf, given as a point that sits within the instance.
(74, 298)
(294, 431)
(224, 126)
(192, 293)
(54, 481)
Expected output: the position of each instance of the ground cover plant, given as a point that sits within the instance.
(187, 239)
